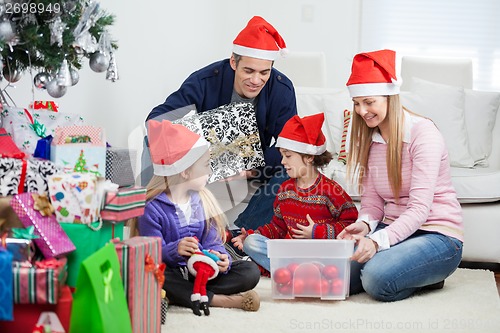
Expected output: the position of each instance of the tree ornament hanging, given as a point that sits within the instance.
(112, 72)
(99, 62)
(55, 90)
(11, 74)
(75, 77)
(41, 79)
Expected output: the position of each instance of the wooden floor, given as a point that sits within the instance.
(492, 267)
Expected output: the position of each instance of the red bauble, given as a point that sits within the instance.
(337, 286)
(322, 287)
(284, 289)
(298, 286)
(292, 267)
(282, 275)
(330, 272)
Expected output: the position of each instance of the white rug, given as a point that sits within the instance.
(469, 302)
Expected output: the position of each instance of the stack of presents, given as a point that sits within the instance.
(66, 197)
(66, 262)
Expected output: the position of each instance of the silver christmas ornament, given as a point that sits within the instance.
(75, 77)
(98, 62)
(55, 90)
(41, 79)
(11, 74)
(63, 75)
(6, 31)
(112, 72)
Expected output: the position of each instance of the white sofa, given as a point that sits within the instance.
(478, 187)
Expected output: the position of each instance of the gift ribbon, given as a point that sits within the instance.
(51, 263)
(17, 156)
(20, 187)
(157, 270)
(241, 146)
(3, 239)
(24, 233)
(108, 291)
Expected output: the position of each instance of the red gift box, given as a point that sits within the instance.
(142, 273)
(26, 315)
(126, 203)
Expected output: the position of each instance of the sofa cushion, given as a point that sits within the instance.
(476, 185)
(481, 109)
(445, 106)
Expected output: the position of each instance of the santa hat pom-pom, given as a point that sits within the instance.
(284, 52)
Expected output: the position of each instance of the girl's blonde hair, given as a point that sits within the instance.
(214, 216)
(361, 139)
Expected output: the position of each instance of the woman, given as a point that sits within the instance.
(409, 232)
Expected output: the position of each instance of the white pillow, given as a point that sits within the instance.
(481, 109)
(311, 101)
(334, 106)
(445, 106)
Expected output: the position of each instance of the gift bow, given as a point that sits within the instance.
(51, 263)
(24, 233)
(38, 128)
(42, 204)
(108, 290)
(242, 145)
(157, 270)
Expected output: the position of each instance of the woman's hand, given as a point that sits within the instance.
(366, 249)
(360, 229)
(187, 246)
(238, 240)
(223, 261)
(304, 231)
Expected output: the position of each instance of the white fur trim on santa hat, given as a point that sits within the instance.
(373, 89)
(300, 147)
(193, 155)
(201, 257)
(255, 53)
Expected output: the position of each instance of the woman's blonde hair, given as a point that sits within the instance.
(214, 216)
(361, 139)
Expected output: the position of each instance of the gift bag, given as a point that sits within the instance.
(80, 149)
(88, 240)
(233, 135)
(52, 240)
(142, 274)
(27, 126)
(76, 197)
(6, 303)
(99, 303)
(120, 165)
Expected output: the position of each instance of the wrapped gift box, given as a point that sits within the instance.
(120, 165)
(21, 249)
(88, 240)
(142, 274)
(26, 315)
(52, 241)
(75, 197)
(5, 285)
(79, 149)
(27, 126)
(126, 203)
(41, 283)
(234, 137)
(32, 173)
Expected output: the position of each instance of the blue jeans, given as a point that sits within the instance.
(260, 207)
(255, 246)
(396, 273)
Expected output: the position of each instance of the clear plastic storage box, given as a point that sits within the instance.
(310, 268)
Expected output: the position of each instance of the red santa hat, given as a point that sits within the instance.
(303, 135)
(259, 40)
(374, 74)
(173, 147)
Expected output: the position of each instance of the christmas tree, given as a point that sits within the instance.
(51, 38)
(81, 163)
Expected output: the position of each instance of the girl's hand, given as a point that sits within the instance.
(360, 229)
(366, 249)
(223, 262)
(304, 231)
(238, 240)
(187, 246)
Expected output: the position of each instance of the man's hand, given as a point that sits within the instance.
(245, 174)
(304, 231)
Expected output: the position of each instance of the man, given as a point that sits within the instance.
(248, 76)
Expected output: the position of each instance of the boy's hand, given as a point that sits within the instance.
(304, 231)
(238, 240)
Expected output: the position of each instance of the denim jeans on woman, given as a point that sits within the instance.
(394, 274)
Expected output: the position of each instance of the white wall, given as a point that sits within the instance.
(162, 42)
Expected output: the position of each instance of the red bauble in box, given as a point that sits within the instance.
(298, 286)
(284, 289)
(282, 275)
(322, 287)
(337, 286)
(330, 272)
(292, 267)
